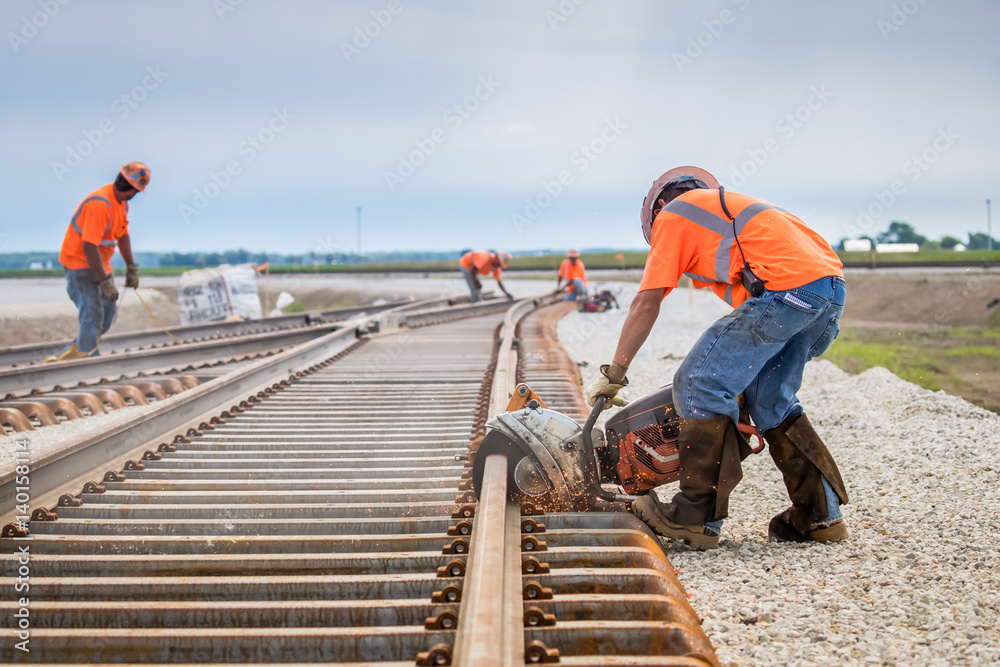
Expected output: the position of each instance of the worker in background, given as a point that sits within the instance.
(787, 287)
(477, 263)
(573, 272)
(99, 224)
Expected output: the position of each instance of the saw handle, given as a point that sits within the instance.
(588, 446)
(750, 429)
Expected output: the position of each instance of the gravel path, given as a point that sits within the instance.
(917, 583)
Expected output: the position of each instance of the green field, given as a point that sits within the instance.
(984, 256)
(963, 360)
(632, 260)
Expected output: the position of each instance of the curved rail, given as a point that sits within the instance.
(328, 517)
(576, 588)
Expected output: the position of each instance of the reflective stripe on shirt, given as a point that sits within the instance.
(728, 230)
(79, 209)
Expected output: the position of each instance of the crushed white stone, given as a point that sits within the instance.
(918, 582)
(44, 438)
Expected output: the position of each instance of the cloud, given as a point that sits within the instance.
(355, 119)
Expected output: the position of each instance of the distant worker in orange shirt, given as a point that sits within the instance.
(787, 287)
(99, 224)
(575, 274)
(477, 263)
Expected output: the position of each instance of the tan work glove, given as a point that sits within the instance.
(109, 290)
(132, 276)
(609, 383)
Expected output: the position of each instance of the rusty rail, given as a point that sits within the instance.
(329, 518)
(35, 353)
(578, 588)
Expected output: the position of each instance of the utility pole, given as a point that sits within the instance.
(989, 228)
(359, 231)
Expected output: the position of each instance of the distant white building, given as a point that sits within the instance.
(959, 247)
(857, 245)
(896, 247)
(35, 266)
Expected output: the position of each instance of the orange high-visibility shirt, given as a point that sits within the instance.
(692, 236)
(482, 262)
(571, 271)
(100, 219)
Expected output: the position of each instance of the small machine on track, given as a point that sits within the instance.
(557, 465)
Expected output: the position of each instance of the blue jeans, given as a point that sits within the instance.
(470, 279)
(95, 313)
(578, 292)
(760, 350)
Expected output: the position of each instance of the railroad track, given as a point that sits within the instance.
(147, 366)
(35, 353)
(131, 353)
(328, 516)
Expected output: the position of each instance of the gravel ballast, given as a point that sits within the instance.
(45, 438)
(917, 583)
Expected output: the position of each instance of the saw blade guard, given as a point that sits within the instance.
(547, 464)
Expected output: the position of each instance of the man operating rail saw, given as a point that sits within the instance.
(787, 289)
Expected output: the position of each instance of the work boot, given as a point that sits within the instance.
(804, 462)
(649, 510)
(710, 452)
(70, 353)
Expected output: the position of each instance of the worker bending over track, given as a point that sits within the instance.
(477, 263)
(787, 288)
(98, 225)
(575, 274)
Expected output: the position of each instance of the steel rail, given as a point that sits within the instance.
(121, 437)
(124, 436)
(490, 624)
(22, 380)
(331, 521)
(614, 597)
(197, 511)
(418, 316)
(35, 353)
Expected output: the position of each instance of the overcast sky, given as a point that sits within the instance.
(513, 125)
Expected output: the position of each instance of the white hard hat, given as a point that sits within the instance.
(504, 258)
(678, 175)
